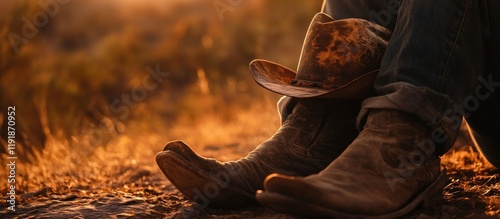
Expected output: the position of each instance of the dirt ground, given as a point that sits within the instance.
(137, 189)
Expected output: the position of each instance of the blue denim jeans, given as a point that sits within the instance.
(441, 64)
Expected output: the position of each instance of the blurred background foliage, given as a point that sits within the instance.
(89, 54)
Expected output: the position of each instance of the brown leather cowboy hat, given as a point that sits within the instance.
(339, 59)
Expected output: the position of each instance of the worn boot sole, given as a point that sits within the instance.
(207, 189)
(431, 196)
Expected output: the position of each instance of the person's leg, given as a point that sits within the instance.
(430, 67)
(484, 119)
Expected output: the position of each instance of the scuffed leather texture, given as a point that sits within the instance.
(317, 131)
(382, 171)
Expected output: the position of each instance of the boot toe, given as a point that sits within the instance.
(208, 190)
(176, 146)
(288, 185)
(183, 150)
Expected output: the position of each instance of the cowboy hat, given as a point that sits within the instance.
(339, 59)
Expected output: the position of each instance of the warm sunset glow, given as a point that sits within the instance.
(101, 86)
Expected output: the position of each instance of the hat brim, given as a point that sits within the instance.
(278, 78)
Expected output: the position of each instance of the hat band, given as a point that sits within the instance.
(315, 84)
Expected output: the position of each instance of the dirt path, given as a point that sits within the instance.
(469, 194)
(153, 197)
(163, 201)
(139, 190)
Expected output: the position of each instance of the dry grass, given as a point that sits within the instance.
(66, 163)
(474, 184)
(124, 169)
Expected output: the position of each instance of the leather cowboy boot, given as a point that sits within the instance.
(316, 132)
(387, 171)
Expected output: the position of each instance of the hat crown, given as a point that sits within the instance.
(336, 52)
(339, 59)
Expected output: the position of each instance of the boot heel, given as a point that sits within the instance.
(434, 197)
